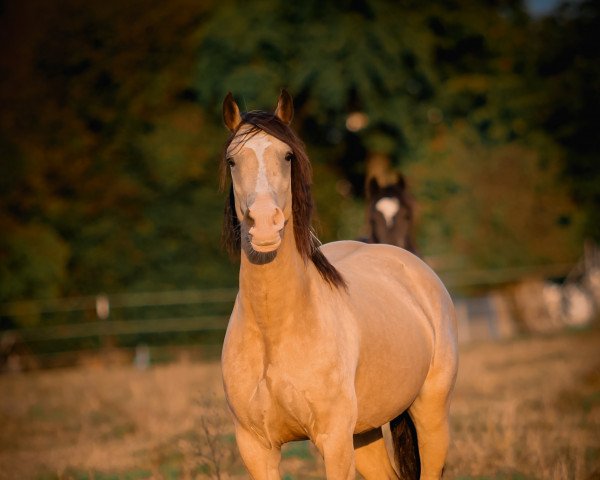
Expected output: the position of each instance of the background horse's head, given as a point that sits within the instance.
(270, 186)
(390, 214)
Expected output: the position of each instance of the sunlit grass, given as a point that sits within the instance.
(524, 409)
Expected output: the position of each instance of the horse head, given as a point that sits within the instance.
(260, 164)
(270, 189)
(390, 214)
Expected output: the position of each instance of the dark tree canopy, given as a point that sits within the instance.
(110, 129)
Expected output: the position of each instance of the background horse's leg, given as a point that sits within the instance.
(372, 459)
(430, 416)
(261, 462)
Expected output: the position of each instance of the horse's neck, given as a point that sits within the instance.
(272, 293)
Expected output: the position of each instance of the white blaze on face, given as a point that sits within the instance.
(258, 144)
(388, 207)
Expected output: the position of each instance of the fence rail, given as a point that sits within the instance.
(111, 320)
(104, 324)
(103, 328)
(118, 300)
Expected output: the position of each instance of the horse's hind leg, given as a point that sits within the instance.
(371, 456)
(430, 416)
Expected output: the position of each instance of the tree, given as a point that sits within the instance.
(568, 66)
(109, 167)
(110, 129)
(456, 73)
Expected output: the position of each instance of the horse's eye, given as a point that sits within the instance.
(230, 162)
(290, 156)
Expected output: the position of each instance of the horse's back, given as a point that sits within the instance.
(394, 276)
(340, 250)
(405, 318)
(357, 260)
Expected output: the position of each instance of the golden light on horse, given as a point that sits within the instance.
(330, 342)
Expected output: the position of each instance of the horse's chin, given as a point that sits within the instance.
(260, 253)
(260, 258)
(266, 247)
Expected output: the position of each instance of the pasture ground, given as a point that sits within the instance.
(523, 409)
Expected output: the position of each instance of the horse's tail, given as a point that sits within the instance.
(406, 448)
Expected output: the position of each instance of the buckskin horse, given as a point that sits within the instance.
(326, 342)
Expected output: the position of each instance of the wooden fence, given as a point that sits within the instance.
(113, 316)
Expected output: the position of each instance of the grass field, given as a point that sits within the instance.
(527, 408)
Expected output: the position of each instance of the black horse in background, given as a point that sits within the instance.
(390, 214)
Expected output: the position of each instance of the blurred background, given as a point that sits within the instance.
(111, 136)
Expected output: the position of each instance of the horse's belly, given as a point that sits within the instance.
(384, 398)
(392, 369)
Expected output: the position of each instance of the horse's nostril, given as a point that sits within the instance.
(278, 218)
(248, 218)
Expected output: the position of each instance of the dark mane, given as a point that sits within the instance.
(302, 207)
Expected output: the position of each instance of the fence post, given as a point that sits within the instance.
(107, 341)
(102, 307)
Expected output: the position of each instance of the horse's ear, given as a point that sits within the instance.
(373, 188)
(231, 113)
(285, 107)
(401, 182)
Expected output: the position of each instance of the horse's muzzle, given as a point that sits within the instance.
(267, 221)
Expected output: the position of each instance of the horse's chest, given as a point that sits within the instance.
(277, 410)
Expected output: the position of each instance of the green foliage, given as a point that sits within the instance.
(334, 57)
(37, 264)
(568, 63)
(110, 183)
(484, 207)
(461, 73)
(110, 131)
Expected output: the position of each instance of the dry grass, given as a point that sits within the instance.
(527, 408)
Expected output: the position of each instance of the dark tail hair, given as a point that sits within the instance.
(406, 448)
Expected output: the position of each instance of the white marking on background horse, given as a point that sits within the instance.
(388, 207)
(259, 144)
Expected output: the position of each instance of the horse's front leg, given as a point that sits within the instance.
(262, 462)
(338, 453)
(335, 441)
